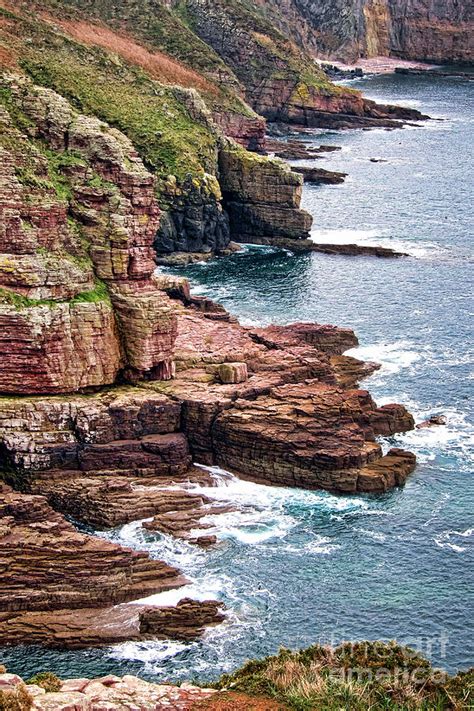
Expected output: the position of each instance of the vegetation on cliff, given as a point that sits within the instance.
(168, 138)
(359, 676)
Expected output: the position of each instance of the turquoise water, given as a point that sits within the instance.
(296, 567)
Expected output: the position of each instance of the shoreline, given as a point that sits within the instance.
(380, 65)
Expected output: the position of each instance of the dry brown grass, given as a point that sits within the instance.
(230, 701)
(157, 64)
(16, 699)
(8, 58)
(360, 676)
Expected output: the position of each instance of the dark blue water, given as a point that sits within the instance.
(297, 567)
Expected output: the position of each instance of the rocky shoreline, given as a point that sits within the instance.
(118, 386)
(116, 381)
(278, 405)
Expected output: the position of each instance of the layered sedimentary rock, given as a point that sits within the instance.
(262, 197)
(54, 578)
(333, 445)
(291, 395)
(290, 418)
(318, 176)
(278, 405)
(181, 621)
(248, 131)
(78, 302)
(196, 222)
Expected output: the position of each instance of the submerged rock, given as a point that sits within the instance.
(318, 176)
(434, 421)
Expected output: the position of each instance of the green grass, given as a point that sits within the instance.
(168, 140)
(365, 676)
(20, 302)
(152, 22)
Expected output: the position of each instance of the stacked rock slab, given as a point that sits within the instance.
(262, 197)
(297, 419)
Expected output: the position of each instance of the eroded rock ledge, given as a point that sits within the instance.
(278, 405)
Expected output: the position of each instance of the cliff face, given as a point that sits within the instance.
(281, 81)
(435, 30)
(77, 302)
(113, 380)
(348, 29)
(177, 131)
(262, 197)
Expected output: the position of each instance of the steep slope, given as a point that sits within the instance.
(176, 130)
(281, 81)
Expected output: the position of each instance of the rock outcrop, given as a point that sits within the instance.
(82, 198)
(278, 405)
(54, 578)
(110, 692)
(196, 222)
(319, 176)
(262, 197)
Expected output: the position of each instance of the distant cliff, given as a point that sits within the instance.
(432, 30)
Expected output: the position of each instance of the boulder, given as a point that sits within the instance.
(233, 372)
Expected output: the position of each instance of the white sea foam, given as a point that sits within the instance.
(455, 540)
(455, 438)
(393, 357)
(374, 238)
(151, 652)
(209, 589)
(373, 535)
(261, 497)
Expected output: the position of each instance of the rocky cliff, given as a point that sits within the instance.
(78, 302)
(179, 80)
(281, 81)
(177, 131)
(348, 29)
(114, 380)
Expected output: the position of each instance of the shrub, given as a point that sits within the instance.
(17, 699)
(364, 676)
(47, 680)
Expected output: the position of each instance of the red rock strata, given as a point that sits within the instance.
(89, 307)
(108, 458)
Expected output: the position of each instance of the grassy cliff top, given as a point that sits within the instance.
(360, 676)
(98, 82)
